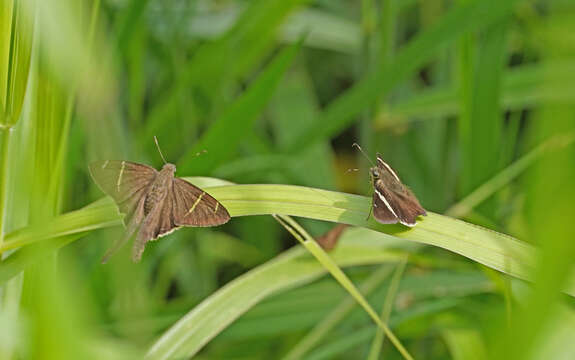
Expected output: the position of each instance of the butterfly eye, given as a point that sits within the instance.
(374, 173)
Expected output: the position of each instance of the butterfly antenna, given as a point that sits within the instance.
(159, 150)
(364, 154)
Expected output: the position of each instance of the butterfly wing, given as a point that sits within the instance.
(394, 201)
(131, 226)
(396, 206)
(193, 206)
(158, 223)
(183, 205)
(126, 182)
(410, 208)
(382, 210)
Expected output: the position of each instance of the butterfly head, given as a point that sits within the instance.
(375, 173)
(169, 167)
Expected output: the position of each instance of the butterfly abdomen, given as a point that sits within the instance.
(158, 190)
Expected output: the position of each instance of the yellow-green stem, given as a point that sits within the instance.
(374, 353)
(312, 246)
(321, 329)
(5, 140)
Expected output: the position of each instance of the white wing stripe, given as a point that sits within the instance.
(388, 168)
(382, 198)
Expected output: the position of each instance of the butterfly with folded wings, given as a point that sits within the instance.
(392, 201)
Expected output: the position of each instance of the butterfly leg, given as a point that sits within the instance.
(370, 209)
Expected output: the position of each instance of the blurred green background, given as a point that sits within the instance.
(472, 102)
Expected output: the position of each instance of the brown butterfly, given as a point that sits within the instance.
(155, 203)
(392, 202)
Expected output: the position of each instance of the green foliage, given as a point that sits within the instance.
(470, 101)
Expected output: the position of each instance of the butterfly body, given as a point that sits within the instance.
(392, 202)
(159, 187)
(155, 203)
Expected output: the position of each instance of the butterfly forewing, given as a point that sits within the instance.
(126, 182)
(195, 207)
(381, 210)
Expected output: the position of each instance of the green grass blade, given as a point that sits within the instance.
(336, 316)
(326, 30)
(30, 255)
(307, 307)
(481, 132)
(293, 107)
(210, 72)
(239, 118)
(466, 205)
(327, 262)
(98, 215)
(5, 35)
(292, 268)
(78, 59)
(471, 16)
(464, 343)
(16, 29)
(15, 54)
(375, 350)
(129, 22)
(495, 250)
(523, 87)
(549, 212)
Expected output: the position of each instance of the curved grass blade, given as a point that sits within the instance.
(495, 250)
(294, 267)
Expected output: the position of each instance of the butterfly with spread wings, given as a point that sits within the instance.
(155, 203)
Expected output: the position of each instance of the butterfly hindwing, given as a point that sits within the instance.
(404, 208)
(150, 229)
(410, 208)
(183, 205)
(132, 222)
(195, 207)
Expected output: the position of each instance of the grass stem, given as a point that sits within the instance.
(5, 134)
(312, 246)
